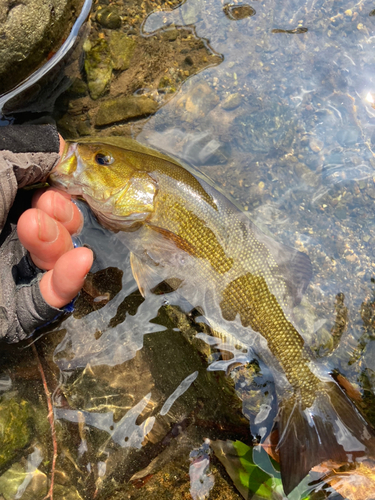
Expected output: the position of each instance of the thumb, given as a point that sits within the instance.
(62, 283)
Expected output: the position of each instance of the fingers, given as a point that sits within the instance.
(45, 231)
(61, 284)
(45, 238)
(57, 204)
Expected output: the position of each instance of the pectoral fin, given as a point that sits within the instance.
(159, 269)
(148, 279)
(144, 274)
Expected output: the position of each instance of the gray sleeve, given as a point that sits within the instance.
(22, 307)
(18, 170)
(30, 138)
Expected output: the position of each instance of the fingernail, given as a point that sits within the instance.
(48, 230)
(62, 208)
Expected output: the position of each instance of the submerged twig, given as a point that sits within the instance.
(51, 422)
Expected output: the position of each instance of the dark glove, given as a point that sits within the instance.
(27, 155)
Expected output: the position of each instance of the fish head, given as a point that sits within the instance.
(111, 180)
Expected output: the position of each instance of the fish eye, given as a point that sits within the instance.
(104, 158)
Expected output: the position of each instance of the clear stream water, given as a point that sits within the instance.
(284, 121)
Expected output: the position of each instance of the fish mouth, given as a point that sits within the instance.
(62, 176)
(63, 183)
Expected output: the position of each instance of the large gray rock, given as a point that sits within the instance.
(29, 32)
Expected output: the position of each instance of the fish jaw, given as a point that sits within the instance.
(120, 206)
(64, 174)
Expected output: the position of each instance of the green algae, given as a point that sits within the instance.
(98, 68)
(122, 49)
(15, 431)
(125, 108)
(109, 18)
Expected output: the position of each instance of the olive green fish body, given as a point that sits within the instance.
(183, 231)
(239, 269)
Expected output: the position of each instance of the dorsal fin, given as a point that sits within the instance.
(297, 272)
(293, 266)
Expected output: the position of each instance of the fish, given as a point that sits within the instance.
(184, 232)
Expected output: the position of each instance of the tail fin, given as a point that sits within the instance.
(331, 429)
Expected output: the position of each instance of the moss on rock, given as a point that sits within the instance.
(122, 49)
(98, 68)
(14, 429)
(124, 108)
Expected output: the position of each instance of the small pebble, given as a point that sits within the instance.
(109, 18)
(316, 145)
(232, 101)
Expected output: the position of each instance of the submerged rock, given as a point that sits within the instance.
(166, 84)
(98, 290)
(232, 101)
(122, 49)
(78, 88)
(16, 480)
(30, 32)
(68, 126)
(15, 430)
(125, 108)
(98, 67)
(109, 18)
(198, 101)
(235, 12)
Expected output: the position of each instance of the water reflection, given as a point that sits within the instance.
(125, 432)
(201, 480)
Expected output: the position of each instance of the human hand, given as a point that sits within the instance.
(45, 231)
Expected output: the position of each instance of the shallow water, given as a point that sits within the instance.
(281, 118)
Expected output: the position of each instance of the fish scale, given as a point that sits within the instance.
(248, 296)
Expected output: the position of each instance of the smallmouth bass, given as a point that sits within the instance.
(182, 231)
